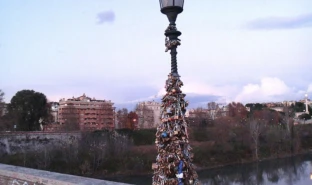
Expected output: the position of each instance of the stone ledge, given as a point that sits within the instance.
(40, 177)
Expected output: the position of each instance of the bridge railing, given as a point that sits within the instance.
(14, 175)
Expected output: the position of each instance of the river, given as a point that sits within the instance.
(288, 171)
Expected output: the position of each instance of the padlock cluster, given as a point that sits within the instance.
(174, 160)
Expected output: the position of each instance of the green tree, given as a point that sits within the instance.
(199, 118)
(300, 107)
(1, 96)
(122, 116)
(237, 110)
(132, 121)
(257, 127)
(71, 117)
(1, 101)
(305, 116)
(256, 106)
(6, 121)
(29, 106)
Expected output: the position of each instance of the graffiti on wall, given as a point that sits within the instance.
(18, 182)
(23, 182)
(15, 181)
(11, 181)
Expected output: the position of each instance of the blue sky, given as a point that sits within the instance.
(247, 51)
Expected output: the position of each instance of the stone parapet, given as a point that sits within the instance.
(19, 175)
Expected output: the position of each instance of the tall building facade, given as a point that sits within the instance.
(211, 113)
(88, 113)
(148, 114)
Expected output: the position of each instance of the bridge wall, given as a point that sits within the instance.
(17, 142)
(13, 175)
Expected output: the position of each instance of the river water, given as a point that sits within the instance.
(289, 171)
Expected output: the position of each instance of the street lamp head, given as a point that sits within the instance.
(171, 8)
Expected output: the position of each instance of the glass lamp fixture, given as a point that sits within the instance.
(171, 8)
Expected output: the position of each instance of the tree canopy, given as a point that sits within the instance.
(5, 120)
(237, 109)
(29, 106)
(1, 96)
(300, 107)
(305, 116)
(122, 117)
(255, 106)
(132, 121)
(1, 101)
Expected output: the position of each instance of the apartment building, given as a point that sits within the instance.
(148, 114)
(89, 113)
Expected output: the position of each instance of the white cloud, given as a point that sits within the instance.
(309, 88)
(269, 89)
(273, 86)
(202, 88)
(197, 87)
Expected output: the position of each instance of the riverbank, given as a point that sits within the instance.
(294, 170)
(145, 149)
(255, 161)
(131, 152)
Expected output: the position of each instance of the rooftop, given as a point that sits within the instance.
(84, 98)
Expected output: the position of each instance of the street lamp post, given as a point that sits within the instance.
(172, 8)
(173, 164)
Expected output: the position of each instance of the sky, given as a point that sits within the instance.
(242, 50)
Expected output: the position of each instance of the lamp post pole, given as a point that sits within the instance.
(172, 8)
(173, 164)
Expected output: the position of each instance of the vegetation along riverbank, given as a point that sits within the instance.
(128, 152)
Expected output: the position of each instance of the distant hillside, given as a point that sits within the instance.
(195, 101)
